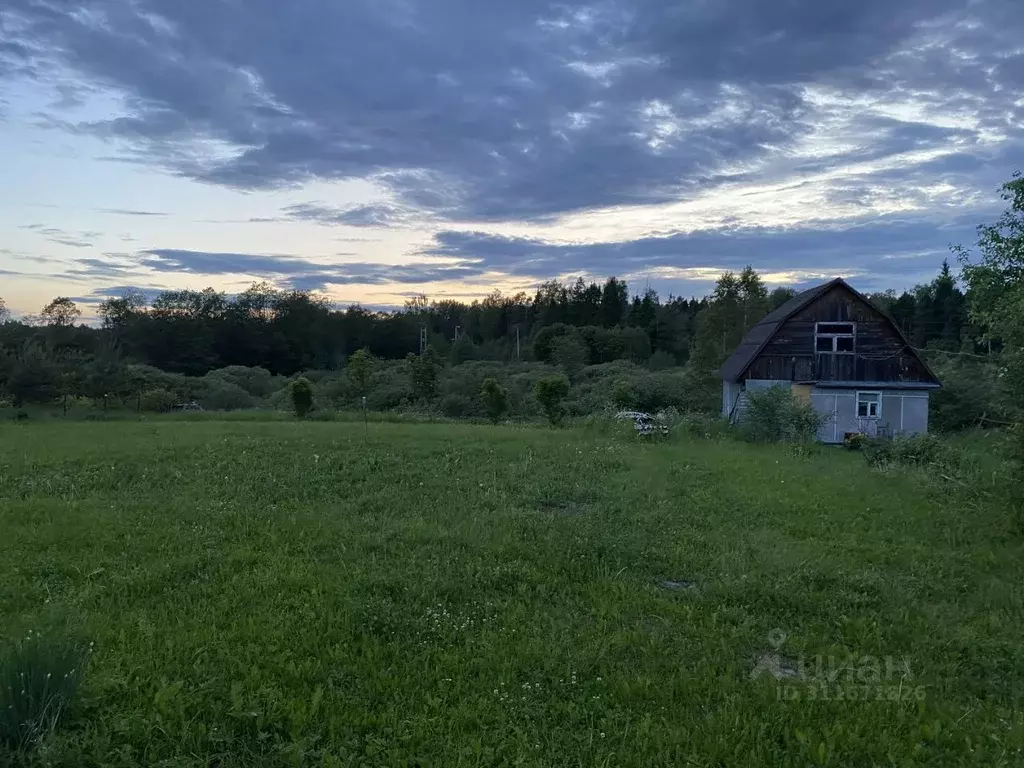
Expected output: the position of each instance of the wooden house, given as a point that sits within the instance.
(842, 354)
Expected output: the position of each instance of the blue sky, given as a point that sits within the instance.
(371, 149)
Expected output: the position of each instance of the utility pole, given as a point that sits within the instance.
(423, 340)
(457, 329)
(518, 357)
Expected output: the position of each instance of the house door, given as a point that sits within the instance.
(825, 405)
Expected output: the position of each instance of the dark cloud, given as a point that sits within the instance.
(300, 273)
(894, 251)
(522, 109)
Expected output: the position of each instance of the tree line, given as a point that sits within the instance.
(570, 326)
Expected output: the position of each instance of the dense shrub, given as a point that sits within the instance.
(495, 399)
(774, 416)
(302, 396)
(157, 400)
(456, 406)
(389, 395)
(973, 393)
(661, 361)
(258, 382)
(551, 392)
(917, 450)
(569, 354)
(225, 396)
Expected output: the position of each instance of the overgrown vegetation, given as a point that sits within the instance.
(774, 415)
(39, 679)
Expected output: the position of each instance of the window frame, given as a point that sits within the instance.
(878, 402)
(834, 337)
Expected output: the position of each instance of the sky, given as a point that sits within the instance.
(372, 150)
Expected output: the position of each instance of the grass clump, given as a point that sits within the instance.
(38, 682)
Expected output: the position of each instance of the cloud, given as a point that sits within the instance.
(379, 215)
(883, 252)
(302, 274)
(529, 109)
(63, 237)
(129, 212)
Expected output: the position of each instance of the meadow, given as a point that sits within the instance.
(346, 594)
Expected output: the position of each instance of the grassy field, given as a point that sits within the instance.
(454, 595)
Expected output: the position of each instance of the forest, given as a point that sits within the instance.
(236, 352)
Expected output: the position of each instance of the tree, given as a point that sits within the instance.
(359, 371)
(614, 302)
(5, 313)
(118, 312)
(996, 283)
(33, 377)
(778, 297)
(569, 354)
(551, 392)
(302, 396)
(61, 312)
(495, 399)
(423, 370)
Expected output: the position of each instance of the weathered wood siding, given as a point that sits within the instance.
(880, 353)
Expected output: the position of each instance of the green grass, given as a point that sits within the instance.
(454, 595)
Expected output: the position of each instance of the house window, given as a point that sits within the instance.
(835, 337)
(869, 405)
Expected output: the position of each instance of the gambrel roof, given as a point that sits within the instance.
(762, 333)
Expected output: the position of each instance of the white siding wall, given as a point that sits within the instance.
(904, 412)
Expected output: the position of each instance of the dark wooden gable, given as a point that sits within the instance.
(882, 353)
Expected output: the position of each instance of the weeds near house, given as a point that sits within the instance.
(38, 681)
(775, 416)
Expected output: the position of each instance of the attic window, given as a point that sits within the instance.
(835, 337)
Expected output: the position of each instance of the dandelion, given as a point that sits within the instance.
(602, 734)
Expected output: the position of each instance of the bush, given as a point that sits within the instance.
(915, 451)
(157, 401)
(700, 425)
(661, 361)
(456, 406)
(225, 396)
(551, 392)
(495, 399)
(258, 382)
(774, 416)
(38, 680)
(973, 393)
(302, 396)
